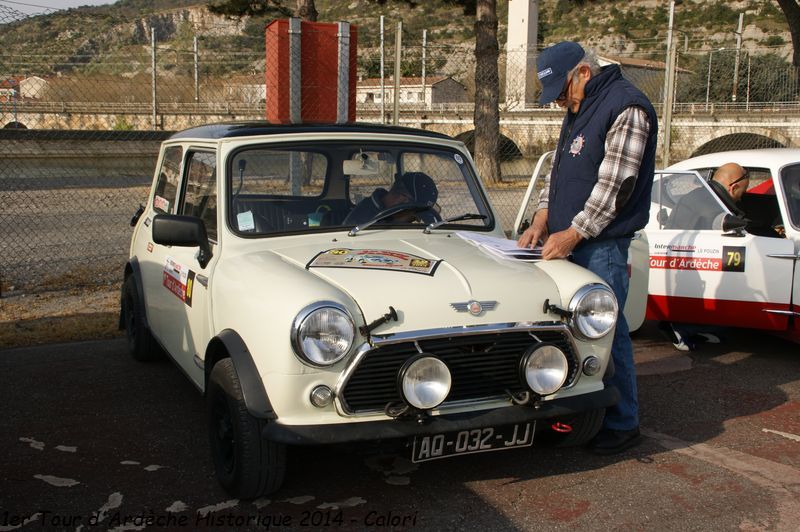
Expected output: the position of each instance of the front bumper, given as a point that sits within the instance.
(405, 427)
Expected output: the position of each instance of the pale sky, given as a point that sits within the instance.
(47, 6)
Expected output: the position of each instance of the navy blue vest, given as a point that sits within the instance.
(581, 149)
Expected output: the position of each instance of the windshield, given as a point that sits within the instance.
(790, 178)
(683, 201)
(335, 185)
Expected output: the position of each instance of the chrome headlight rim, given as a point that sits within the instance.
(574, 306)
(302, 316)
(529, 353)
(401, 375)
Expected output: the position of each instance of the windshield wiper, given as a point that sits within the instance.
(391, 211)
(460, 217)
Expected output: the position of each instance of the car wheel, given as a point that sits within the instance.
(584, 427)
(141, 344)
(246, 464)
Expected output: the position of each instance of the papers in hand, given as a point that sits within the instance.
(501, 247)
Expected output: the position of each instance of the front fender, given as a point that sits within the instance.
(253, 391)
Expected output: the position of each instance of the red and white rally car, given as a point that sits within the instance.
(722, 270)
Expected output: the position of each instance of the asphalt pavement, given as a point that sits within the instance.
(93, 440)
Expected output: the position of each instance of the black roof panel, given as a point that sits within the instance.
(246, 129)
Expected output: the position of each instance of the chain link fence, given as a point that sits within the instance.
(82, 125)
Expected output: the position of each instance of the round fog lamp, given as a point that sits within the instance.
(545, 369)
(321, 396)
(425, 382)
(591, 365)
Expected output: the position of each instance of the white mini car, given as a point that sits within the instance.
(722, 270)
(324, 284)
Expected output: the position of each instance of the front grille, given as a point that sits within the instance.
(482, 366)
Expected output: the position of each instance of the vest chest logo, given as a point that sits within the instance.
(577, 145)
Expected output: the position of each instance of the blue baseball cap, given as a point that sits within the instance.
(553, 65)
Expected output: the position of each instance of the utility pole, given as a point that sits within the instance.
(738, 51)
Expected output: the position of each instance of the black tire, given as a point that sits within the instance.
(584, 427)
(246, 464)
(141, 344)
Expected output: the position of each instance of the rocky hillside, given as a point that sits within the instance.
(85, 37)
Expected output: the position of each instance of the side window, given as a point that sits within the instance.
(167, 184)
(200, 196)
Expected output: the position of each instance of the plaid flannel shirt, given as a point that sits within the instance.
(625, 143)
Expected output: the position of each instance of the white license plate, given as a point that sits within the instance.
(433, 447)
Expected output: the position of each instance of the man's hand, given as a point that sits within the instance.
(536, 232)
(561, 244)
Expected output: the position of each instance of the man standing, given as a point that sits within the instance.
(597, 196)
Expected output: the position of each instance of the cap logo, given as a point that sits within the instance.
(544, 73)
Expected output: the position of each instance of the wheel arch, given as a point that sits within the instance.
(132, 268)
(228, 344)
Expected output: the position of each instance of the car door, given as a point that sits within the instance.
(787, 188)
(702, 274)
(185, 281)
(638, 253)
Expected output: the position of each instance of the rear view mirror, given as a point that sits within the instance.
(184, 231)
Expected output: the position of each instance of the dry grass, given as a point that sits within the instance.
(63, 316)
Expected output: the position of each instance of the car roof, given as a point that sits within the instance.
(257, 128)
(766, 157)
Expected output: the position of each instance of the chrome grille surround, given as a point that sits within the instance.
(485, 361)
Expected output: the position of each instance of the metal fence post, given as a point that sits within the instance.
(295, 80)
(196, 72)
(668, 88)
(383, 88)
(398, 43)
(424, 49)
(343, 90)
(153, 61)
(736, 63)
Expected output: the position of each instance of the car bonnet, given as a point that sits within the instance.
(431, 280)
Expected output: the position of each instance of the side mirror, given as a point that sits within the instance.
(733, 224)
(184, 231)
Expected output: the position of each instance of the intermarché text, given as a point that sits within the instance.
(307, 518)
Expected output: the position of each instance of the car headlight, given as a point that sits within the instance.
(323, 333)
(545, 368)
(425, 382)
(594, 311)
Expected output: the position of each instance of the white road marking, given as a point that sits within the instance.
(57, 481)
(153, 467)
(177, 507)
(130, 462)
(262, 502)
(782, 481)
(38, 445)
(32, 518)
(347, 503)
(794, 437)
(300, 500)
(397, 480)
(205, 510)
(66, 448)
(114, 501)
